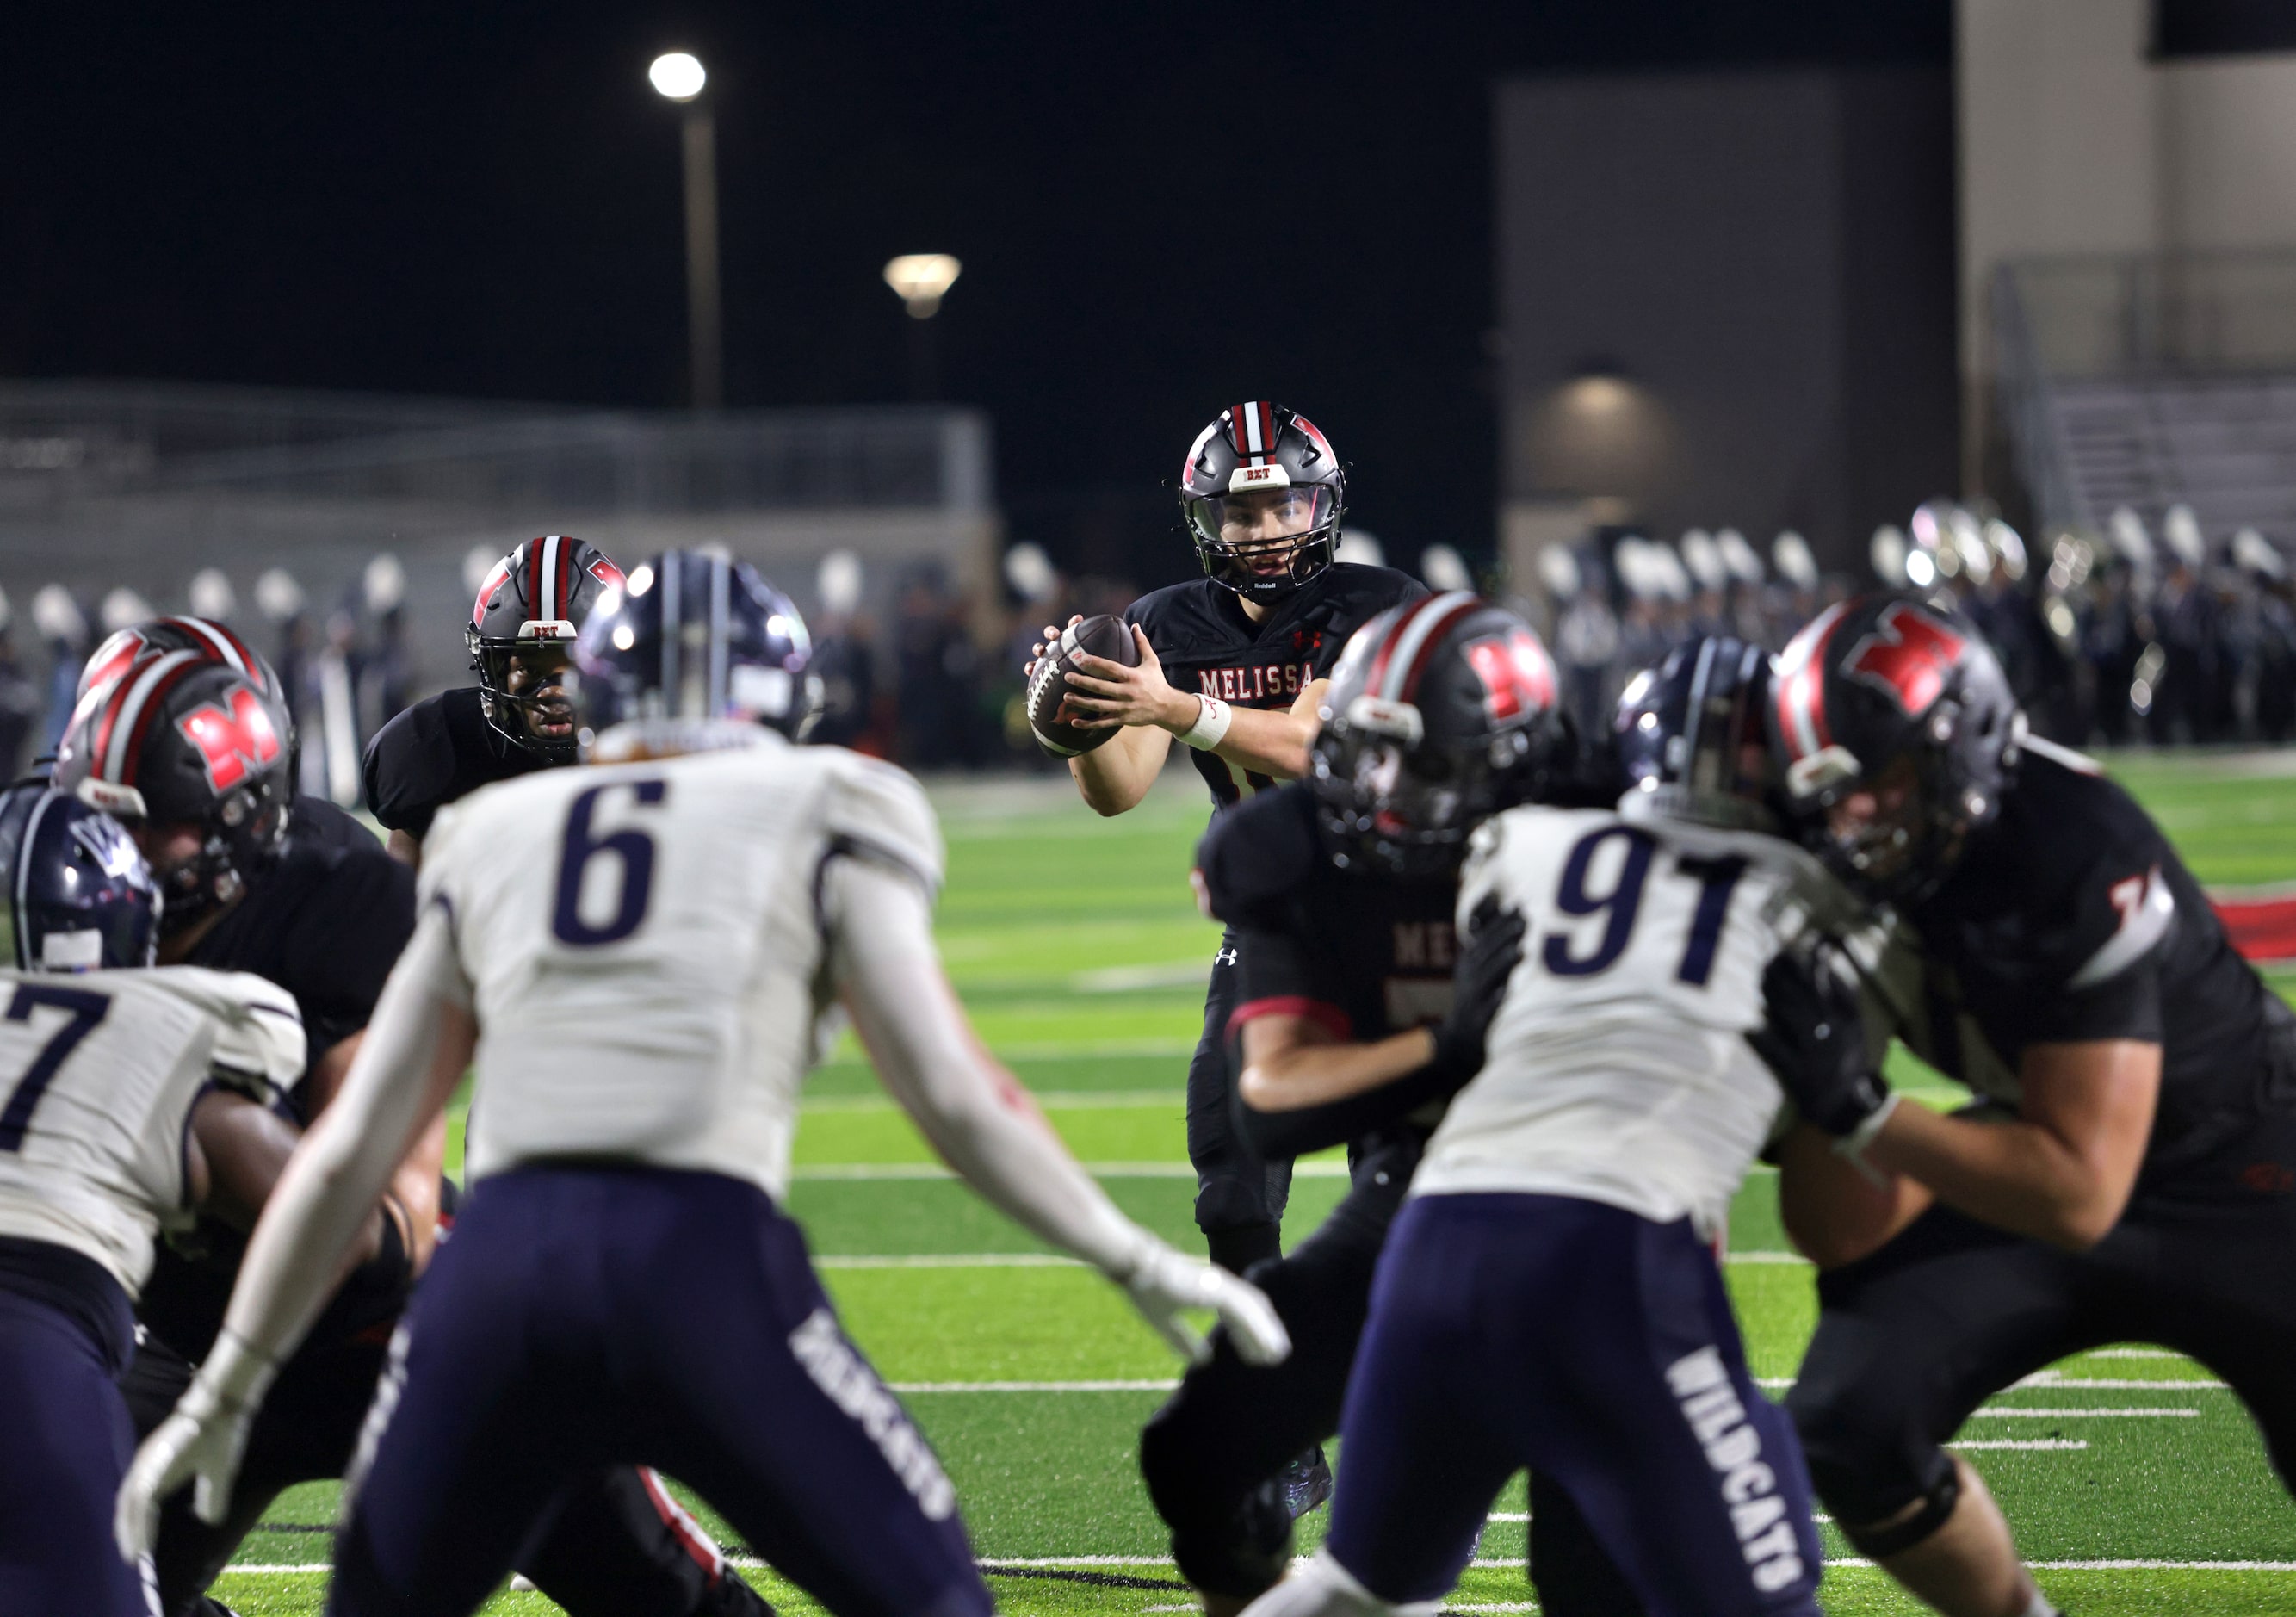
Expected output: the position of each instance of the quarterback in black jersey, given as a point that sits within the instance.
(310, 900)
(517, 718)
(1234, 664)
(1346, 971)
(2130, 1168)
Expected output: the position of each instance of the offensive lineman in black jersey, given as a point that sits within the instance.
(2130, 1171)
(1234, 665)
(517, 718)
(1340, 892)
(199, 773)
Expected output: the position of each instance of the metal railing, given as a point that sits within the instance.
(2124, 315)
(87, 438)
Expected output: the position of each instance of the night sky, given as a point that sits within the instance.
(1159, 208)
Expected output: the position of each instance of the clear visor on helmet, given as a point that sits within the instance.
(1262, 526)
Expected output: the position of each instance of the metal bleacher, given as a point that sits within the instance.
(2144, 382)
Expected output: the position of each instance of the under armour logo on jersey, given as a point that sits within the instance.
(1226, 956)
(1908, 656)
(233, 745)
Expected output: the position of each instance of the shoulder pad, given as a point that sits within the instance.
(877, 811)
(1257, 853)
(260, 1037)
(410, 764)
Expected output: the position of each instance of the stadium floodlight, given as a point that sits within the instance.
(677, 76)
(923, 279)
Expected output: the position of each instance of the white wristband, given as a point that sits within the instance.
(1212, 720)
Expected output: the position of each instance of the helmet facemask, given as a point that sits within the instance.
(1897, 832)
(523, 695)
(1266, 542)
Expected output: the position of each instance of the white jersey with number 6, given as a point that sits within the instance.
(645, 951)
(1618, 1068)
(98, 1073)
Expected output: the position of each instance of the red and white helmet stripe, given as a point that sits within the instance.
(1252, 429)
(1802, 686)
(1410, 642)
(118, 739)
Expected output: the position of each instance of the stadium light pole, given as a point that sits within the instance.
(679, 77)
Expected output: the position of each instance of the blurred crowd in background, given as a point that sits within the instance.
(2128, 636)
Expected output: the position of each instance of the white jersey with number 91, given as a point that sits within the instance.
(1618, 1068)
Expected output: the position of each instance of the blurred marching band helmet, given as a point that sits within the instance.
(1558, 569)
(1739, 556)
(1790, 553)
(2252, 552)
(1703, 557)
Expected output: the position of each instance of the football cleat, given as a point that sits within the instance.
(1306, 1482)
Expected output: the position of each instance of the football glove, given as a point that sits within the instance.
(1163, 1282)
(202, 1440)
(1814, 1040)
(1487, 956)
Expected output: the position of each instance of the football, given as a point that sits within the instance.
(1050, 716)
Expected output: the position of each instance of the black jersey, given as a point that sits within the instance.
(2070, 917)
(317, 823)
(326, 924)
(1209, 646)
(1364, 953)
(440, 748)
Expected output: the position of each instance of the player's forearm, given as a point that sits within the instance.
(1312, 1074)
(1266, 742)
(2016, 1175)
(1834, 1213)
(1117, 776)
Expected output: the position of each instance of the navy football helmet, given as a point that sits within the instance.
(1692, 739)
(1263, 495)
(529, 607)
(1441, 712)
(81, 897)
(688, 639)
(179, 741)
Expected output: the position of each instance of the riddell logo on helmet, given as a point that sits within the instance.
(234, 744)
(1907, 657)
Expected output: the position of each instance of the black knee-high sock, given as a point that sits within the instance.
(1237, 1248)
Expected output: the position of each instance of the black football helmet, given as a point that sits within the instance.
(1262, 494)
(1441, 712)
(1692, 739)
(535, 597)
(177, 740)
(216, 642)
(691, 638)
(81, 897)
(1888, 695)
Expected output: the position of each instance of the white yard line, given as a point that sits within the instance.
(1051, 1100)
(258, 1569)
(1032, 1386)
(2051, 1444)
(1054, 1260)
(1099, 1170)
(1992, 1411)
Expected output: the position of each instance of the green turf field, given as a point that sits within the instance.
(1075, 944)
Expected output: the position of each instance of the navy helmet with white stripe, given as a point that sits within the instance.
(81, 897)
(177, 743)
(1262, 494)
(689, 639)
(1691, 737)
(1440, 713)
(529, 608)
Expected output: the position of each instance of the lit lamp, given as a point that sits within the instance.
(923, 279)
(679, 77)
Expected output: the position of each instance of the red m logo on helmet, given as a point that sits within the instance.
(1517, 677)
(1908, 655)
(233, 745)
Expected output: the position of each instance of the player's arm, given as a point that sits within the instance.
(234, 1155)
(984, 1124)
(2060, 1171)
(405, 849)
(1306, 1087)
(413, 1200)
(1834, 1211)
(416, 1048)
(1265, 742)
